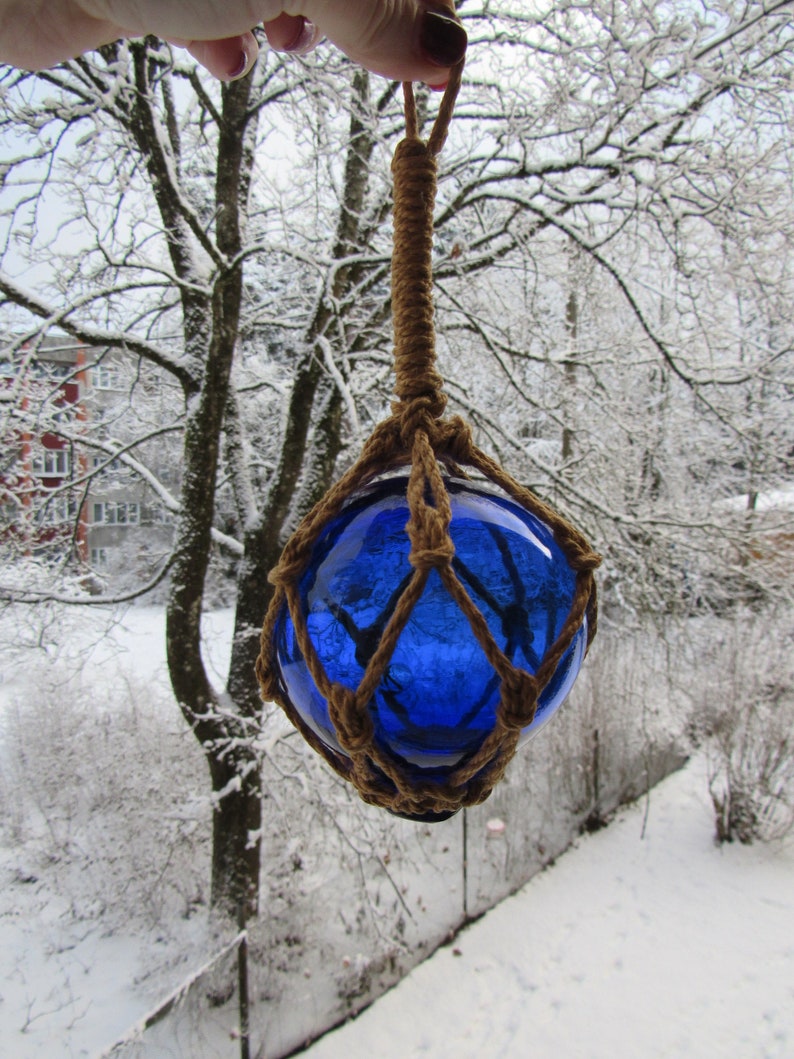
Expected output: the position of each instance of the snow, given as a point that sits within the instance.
(65, 990)
(645, 939)
(773, 500)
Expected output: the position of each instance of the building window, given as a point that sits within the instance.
(99, 558)
(65, 412)
(51, 463)
(58, 510)
(58, 371)
(162, 516)
(106, 377)
(9, 513)
(116, 513)
(107, 463)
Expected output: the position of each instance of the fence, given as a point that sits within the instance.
(185, 1016)
(353, 898)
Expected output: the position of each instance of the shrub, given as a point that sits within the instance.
(100, 793)
(750, 729)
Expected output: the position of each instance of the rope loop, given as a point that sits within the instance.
(418, 384)
(422, 412)
(268, 682)
(455, 440)
(417, 435)
(354, 727)
(519, 700)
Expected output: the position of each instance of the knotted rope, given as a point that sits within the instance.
(418, 435)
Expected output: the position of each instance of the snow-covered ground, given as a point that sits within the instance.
(644, 940)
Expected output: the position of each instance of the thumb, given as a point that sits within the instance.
(405, 40)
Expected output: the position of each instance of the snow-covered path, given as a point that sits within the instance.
(646, 940)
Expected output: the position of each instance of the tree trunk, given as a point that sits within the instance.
(572, 329)
(222, 730)
(236, 833)
(313, 432)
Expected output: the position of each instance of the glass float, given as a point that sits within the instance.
(437, 701)
(426, 722)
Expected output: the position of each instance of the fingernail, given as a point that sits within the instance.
(241, 69)
(305, 37)
(442, 38)
(247, 60)
(439, 87)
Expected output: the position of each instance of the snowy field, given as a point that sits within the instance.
(76, 968)
(643, 940)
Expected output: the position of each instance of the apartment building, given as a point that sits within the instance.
(69, 488)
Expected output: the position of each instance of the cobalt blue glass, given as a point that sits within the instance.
(437, 701)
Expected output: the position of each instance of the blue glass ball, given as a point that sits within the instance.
(437, 701)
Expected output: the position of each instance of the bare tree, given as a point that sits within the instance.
(234, 243)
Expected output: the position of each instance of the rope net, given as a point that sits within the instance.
(418, 436)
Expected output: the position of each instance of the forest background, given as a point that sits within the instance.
(615, 312)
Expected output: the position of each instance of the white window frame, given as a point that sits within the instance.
(162, 516)
(52, 463)
(106, 377)
(58, 510)
(108, 464)
(116, 513)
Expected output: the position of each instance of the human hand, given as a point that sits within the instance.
(407, 40)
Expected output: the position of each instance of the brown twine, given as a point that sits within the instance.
(418, 435)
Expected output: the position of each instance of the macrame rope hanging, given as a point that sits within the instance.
(418, 436)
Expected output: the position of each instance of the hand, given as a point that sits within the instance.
(407, 40)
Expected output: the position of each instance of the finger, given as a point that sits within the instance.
(292, 33)
(227, 59)
(37, 36)
(408, 40)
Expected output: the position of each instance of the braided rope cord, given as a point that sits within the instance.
(419, 436)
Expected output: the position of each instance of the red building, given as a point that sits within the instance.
(43, 465)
